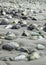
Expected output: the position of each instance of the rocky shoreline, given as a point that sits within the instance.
(22, 32)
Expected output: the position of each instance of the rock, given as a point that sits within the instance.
(22, 49)
(34, 33)
(21, 57)
(7, 47)
(16, 26)
(34, 55)
(4, 22)
(31, 27)
(45, 24)
(1, 42)
(44, 29)
(8, 26)
(40, 11)
(14, 11)
(34, 19)
(3, 12)
(25, 33)
(8, 16)
(10, 36)
(40, 37)
(23, 23)
(24, 17)
(10, 46)
(34, 37)
(45, 36)
(14, 44)
(40, 47)
(4, 58)
(24, 13)
(16, 21)
(40, 27)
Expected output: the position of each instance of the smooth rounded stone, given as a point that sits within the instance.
(4, 58)
(4, 22)
(10, 36)
(8, 26)
(34, 55)
(31, 27)
(7, 47)
(10, 46)
(17, 26)
(20, 57)
(25, 33)
(40, 47)
(44, 29)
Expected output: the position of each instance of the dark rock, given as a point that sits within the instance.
(2, 12)
(31, 27)
(25, 33)
(7, 47)
(22, 23)
(45, 24)
(24, 17)
(4, 22)
(16, 26)
(34, 19)
(44, 29)
(22, 49)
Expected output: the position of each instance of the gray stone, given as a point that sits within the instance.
(40, 47)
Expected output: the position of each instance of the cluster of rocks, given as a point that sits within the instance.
(20, 23)
(27, 55)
